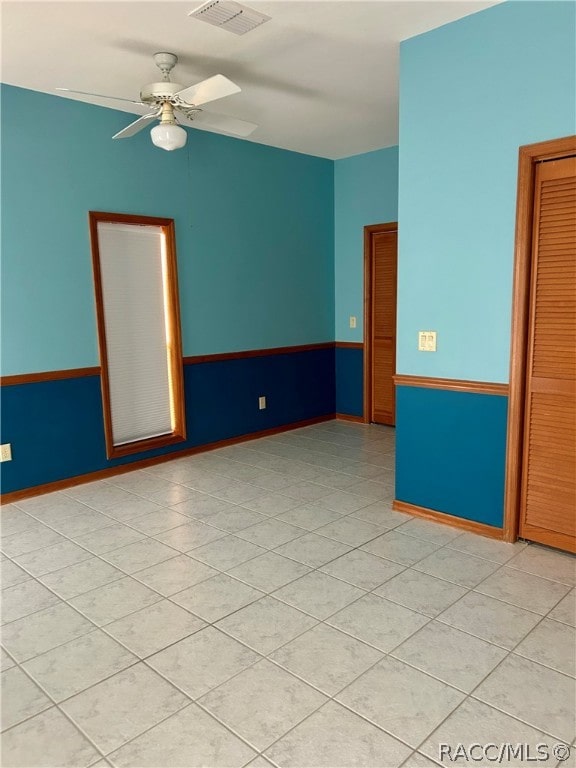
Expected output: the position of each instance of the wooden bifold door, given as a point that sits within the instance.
(380, 277)
(548, 488)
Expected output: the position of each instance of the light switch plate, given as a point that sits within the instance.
(6, 452)
(427, 341)
(352, 321)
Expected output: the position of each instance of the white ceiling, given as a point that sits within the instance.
(320, 77)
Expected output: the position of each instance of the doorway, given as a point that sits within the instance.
(380, 281)
(540, 499)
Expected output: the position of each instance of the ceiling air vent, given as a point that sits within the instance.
(229, 15)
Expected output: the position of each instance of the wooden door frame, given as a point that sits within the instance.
(528, 156)
(368, 232)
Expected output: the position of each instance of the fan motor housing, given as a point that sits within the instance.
(157, 92)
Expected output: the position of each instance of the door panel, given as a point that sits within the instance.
(548, 503)
(383, 271)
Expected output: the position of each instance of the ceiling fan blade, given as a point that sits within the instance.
(97, 95)
(221, 123)
(213, 88)
(136, 126)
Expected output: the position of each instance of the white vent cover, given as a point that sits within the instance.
(229, 15)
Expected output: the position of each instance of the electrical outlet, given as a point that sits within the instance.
(427, 341)
(6, 452)
(352, 321)
(262, 403)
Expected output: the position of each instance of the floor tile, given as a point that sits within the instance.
(430, 531)
(457, 567)
(131, 507)
(107, 539)
(75, 666)
(227, 552)
(523, 589)
(362, 569)
(318, 594)
(238, 492)
(378, 622)
(88, 521)
(189, 738)
(24, 599)
(21, 698)
(29, 540)
(269, 571)
(169, 496)
(174, 575)
(313, 550)
(11, 574)
(547, 563)
(141, 482)
(216, 597)
(266, 624)
(489, 549)
(53, 558)
(102, 496)
(44, 630)
(262, 703)
(304, 491)
(201, 506)
(115, 600)
(124, 706)
(234, 519)
(476, 723)
(15, 520)
(405, 702)
(490, 619)
(350, 530)
(421, 592)
(153, 628)
(456, 658)
(77, 579)
(342, 502)
(186, 537)
(333, 737)
(552, 644)
(535, 694)
(416, 760)
(158, 521)
(46, 741)
(309, 516)
(565, 611)
(271, 533)
(271, 504)
(201, 662)
(140, 555)
(58, 501)
(261, 762)
(326, 658)
(5, 661)
(380, 513)
(405, 550)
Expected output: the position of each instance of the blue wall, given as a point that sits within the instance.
(365, 192)
(255, 248)
(254, 229)
(471, 93)
(450, 450)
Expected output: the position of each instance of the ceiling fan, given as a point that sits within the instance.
(166, 98)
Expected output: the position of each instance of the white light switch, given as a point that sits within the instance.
(427, 341)
(352, 321)
(262, 402)
(6, 452)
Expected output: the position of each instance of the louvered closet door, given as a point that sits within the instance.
(548, 513)
(384, 249)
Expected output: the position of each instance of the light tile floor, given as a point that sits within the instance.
(263, 605)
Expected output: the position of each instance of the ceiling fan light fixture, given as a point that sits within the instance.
(168, 136)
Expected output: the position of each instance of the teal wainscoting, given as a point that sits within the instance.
(450, 452)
